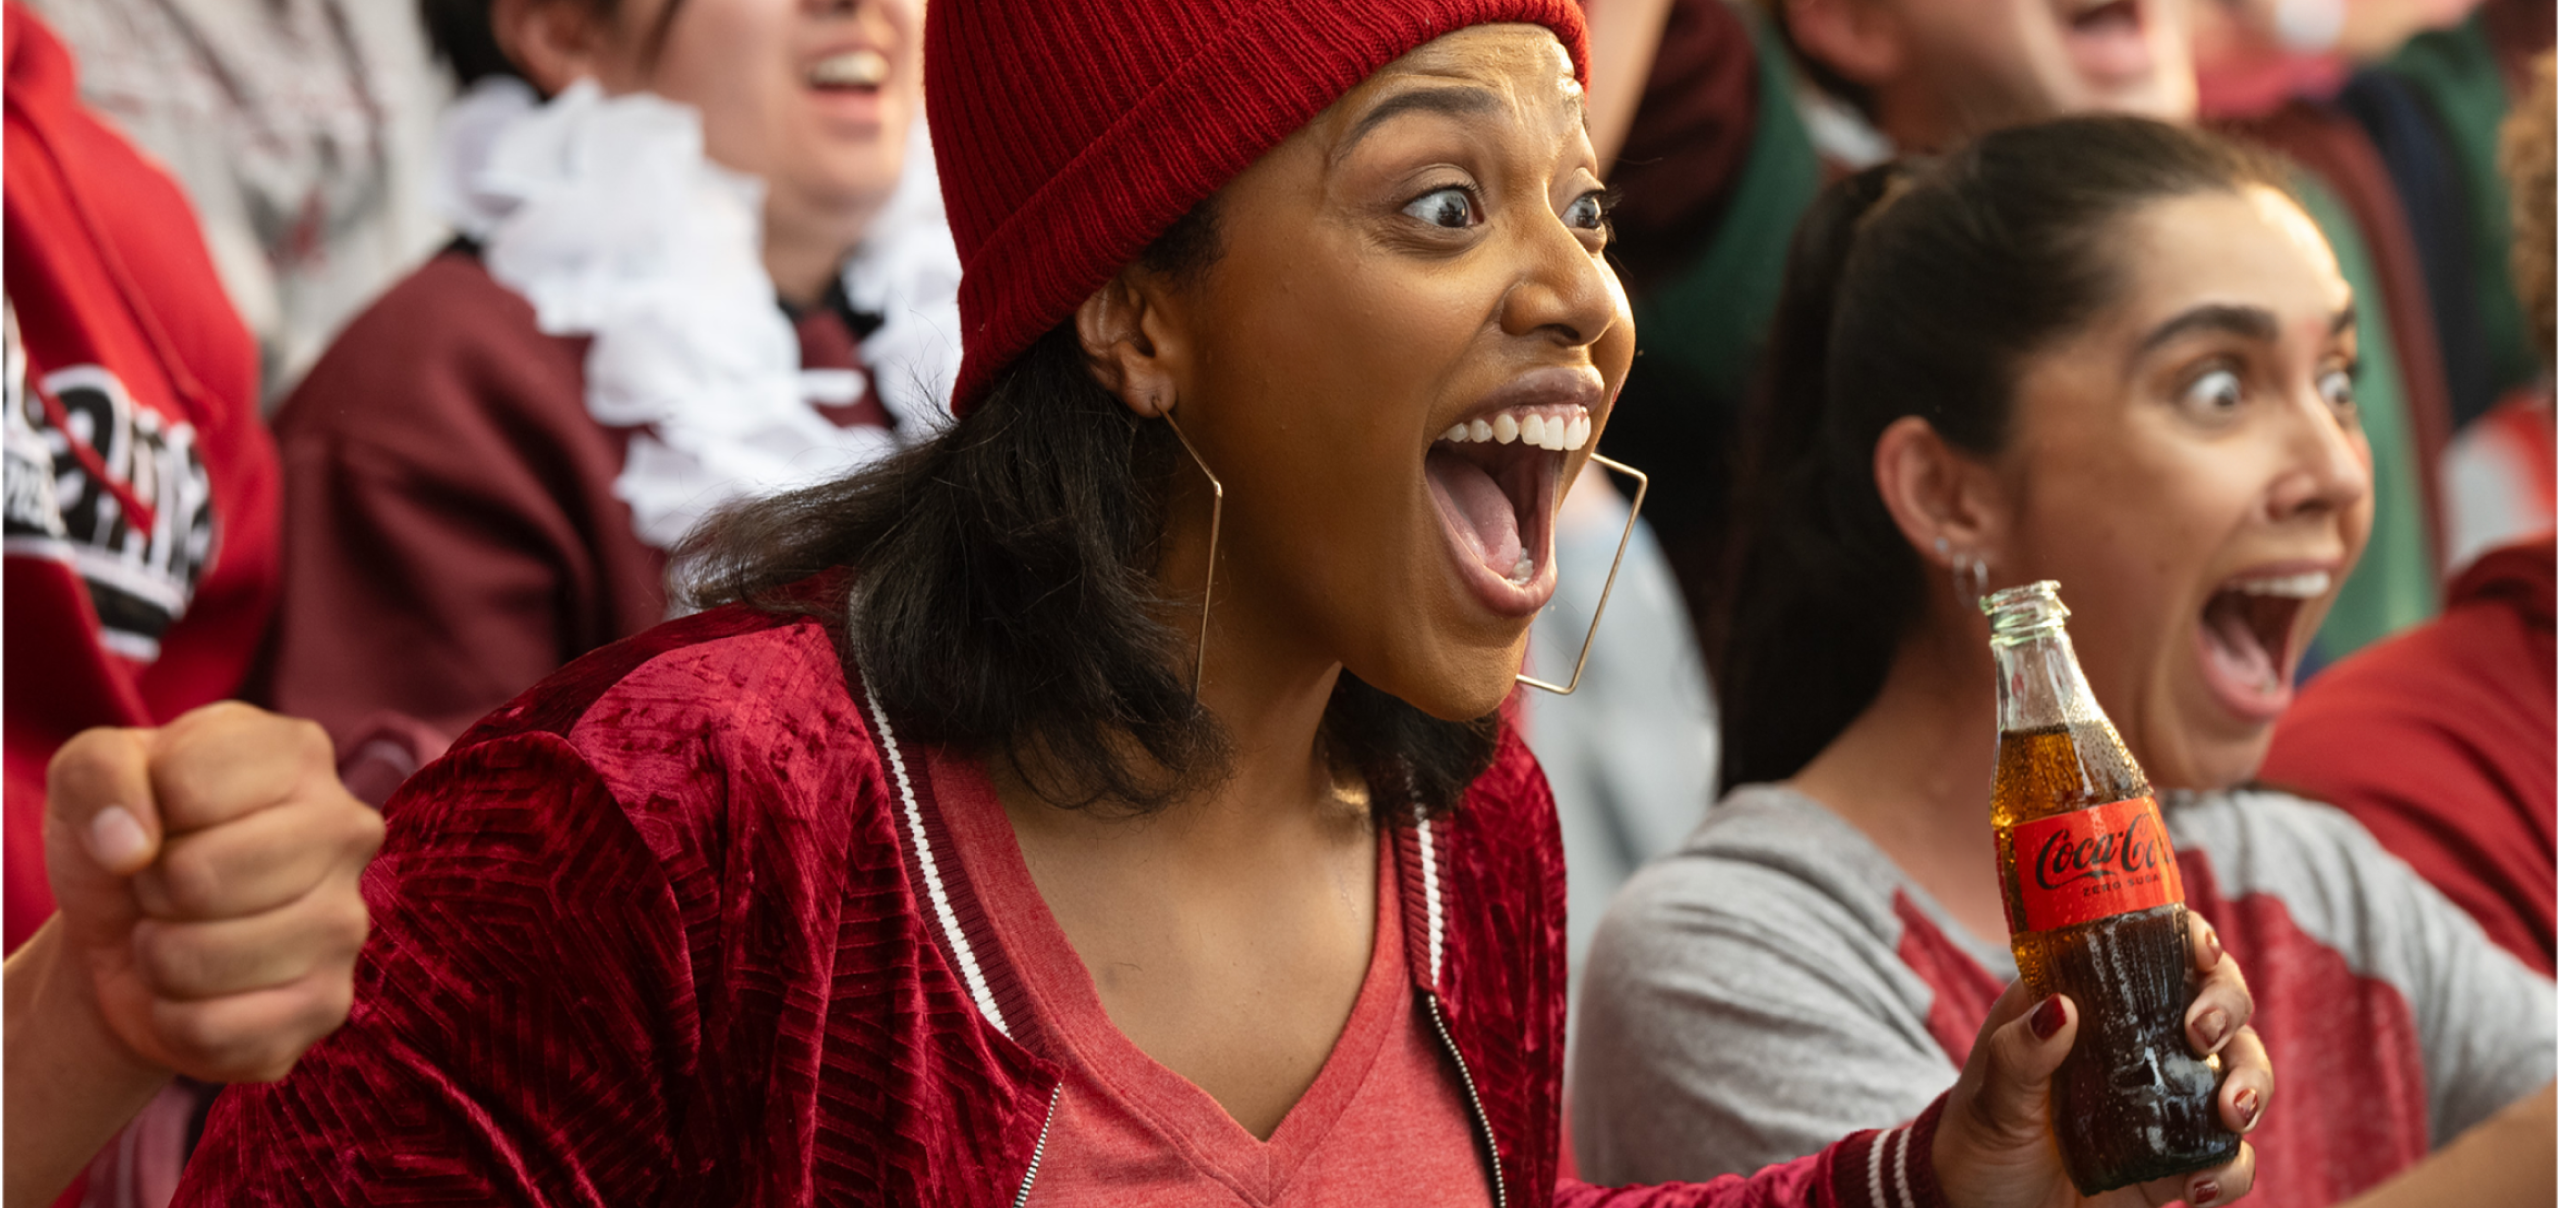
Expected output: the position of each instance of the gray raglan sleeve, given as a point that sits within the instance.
(1734, 1016)
(2485, 1022)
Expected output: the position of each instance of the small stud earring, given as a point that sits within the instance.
(1972, 579)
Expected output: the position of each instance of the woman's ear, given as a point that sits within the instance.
(1947, 503)
(555, 43)
(1860, 40)
(1134, 343)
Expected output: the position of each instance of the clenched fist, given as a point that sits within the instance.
(205, 877)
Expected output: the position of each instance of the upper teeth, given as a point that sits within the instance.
(2299, 587)
(1560, 428)
(853, 68)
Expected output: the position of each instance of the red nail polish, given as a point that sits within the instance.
(2205, 1193)
(2214, 1024)
(2048, 1017)
(2247, 1102)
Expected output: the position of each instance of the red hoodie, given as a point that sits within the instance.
(2440, 742)
(683, 925)
(142, 491)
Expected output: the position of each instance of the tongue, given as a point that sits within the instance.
(2235, 643)
(1477, 510)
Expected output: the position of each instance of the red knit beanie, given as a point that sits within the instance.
(1071, 133)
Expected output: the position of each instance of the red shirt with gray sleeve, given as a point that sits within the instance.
(1780, 981)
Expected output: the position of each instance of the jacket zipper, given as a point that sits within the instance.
(1040, 1146)
(1484, 1123)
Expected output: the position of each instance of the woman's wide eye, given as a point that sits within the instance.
(2338, 389)
(2214, 395)
(1589, 212)
(1451, 208)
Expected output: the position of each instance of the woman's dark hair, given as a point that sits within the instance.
(1913, 288)
(1001, 597)
(460, 34)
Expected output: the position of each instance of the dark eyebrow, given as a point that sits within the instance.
(1454, 100)
(2247, 322)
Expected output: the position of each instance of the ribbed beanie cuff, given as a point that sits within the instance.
(1071, 133)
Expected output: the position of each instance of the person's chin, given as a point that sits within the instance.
(2159, 100)
(858, 188)
(2238, 765)
(1456, 685)
(2226, 757)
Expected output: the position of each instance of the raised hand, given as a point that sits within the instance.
(206, 877)
(208, 920)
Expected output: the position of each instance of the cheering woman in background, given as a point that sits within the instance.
(2116, 354)
(703, 259)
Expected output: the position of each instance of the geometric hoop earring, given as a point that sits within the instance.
(1635, 507)
(1217, 511)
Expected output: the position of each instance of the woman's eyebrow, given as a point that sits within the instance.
(1454, 100)
(2248, 322)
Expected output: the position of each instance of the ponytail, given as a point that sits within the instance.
(1799, 582)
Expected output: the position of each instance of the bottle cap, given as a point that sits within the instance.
(2016, 612)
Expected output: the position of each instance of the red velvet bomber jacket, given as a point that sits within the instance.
(681, 926)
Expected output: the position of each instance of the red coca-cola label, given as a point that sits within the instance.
(2094, 863)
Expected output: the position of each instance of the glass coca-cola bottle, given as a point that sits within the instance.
(2096, 912)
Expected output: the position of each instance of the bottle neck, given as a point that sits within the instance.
(2040, 681)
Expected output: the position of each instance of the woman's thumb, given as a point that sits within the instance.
(2018, 1073)
(101, 818)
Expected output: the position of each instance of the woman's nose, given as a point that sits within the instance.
(2328, 467)
(1562, 289)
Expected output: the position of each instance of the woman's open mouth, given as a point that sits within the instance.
(858, 70)
(1494, 477)
(2105, 39)
(847, 83)
(2245, 639)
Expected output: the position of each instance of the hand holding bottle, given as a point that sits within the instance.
(1995, 1146)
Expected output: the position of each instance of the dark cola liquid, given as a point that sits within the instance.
(2130, 1103)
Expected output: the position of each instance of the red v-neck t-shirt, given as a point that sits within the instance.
(1384, 1122)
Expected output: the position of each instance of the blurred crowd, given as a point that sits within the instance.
(369, 364)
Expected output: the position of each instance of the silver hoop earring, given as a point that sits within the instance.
(1635, 507)
(1217, 512)
(1972, 579)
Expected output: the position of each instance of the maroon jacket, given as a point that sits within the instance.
(682, 926)
(451, 531)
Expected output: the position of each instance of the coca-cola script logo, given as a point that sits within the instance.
(2094, 863)
(2138, 848)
